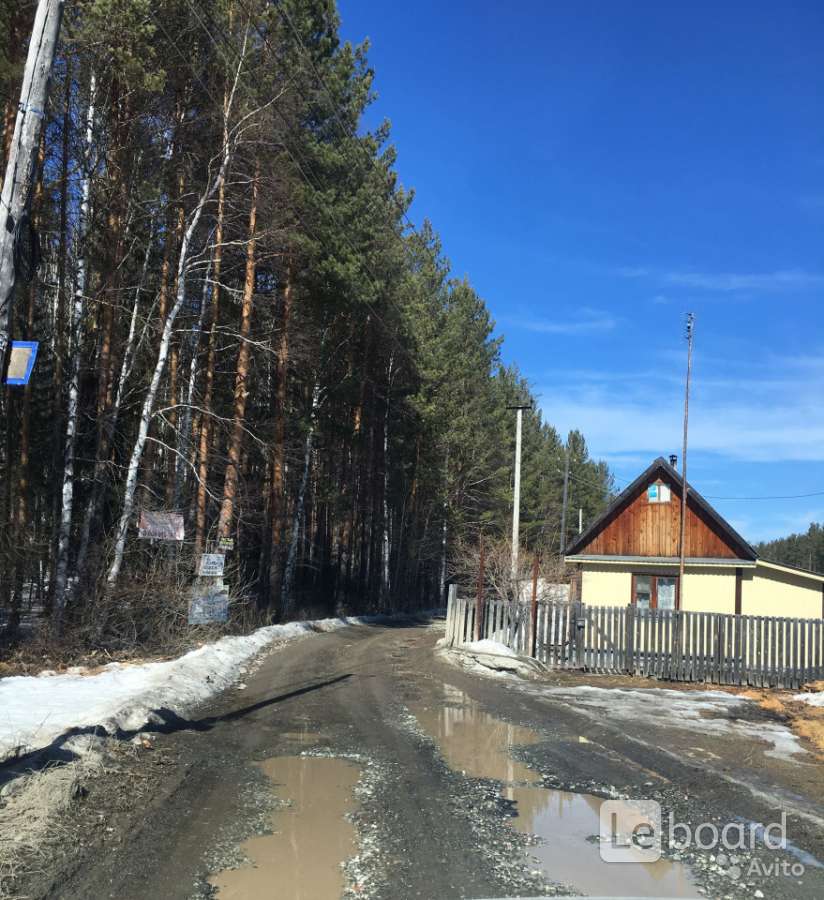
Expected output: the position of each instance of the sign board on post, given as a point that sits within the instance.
(22, 355)
(210, 608)
(160, 526)
(211, 565)
(226, 543)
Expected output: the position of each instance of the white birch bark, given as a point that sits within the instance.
(165, 340)
(444, 527)
(114, 412)
(184, 440)
(386, 545)
(21, 164)
(67, 494)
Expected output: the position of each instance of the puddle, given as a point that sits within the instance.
(302, 859)
(476, 743)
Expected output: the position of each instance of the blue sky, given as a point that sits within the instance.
(598, 169)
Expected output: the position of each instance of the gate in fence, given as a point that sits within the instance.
(761, 651)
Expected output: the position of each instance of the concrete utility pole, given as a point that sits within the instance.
(565, 501)
(682, 541)
(20, 168)
(516, 503)
(479, 598)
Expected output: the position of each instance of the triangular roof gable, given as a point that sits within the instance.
(660, 468)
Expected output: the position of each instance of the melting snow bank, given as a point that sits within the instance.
(487, 646)
(490, 656)
(35, 710)
(707, 712)
(812, 699)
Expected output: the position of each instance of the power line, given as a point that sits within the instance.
(774, 497)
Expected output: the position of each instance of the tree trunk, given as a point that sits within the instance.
(65, 527)
(185, 436)
(162, 354)
(206, 420)
(59, 325)
(23, 530)
(386, 548)
(230, 481)
(93, 506)
(171, 466)
(286, 599)
(278, 495)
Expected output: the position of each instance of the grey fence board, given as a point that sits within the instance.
(676, 645)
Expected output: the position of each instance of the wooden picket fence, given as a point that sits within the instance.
(762, 651)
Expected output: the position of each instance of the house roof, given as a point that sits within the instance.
(793, 570)
(658, 467)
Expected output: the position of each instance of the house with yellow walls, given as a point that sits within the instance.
(630, 555)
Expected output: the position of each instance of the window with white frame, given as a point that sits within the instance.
(659, 493)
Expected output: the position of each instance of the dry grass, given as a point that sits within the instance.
(31, 814)
(805, 720)
(147, 617)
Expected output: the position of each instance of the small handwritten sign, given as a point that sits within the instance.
(211, 565)
(210, 608)
(226, 543)
(160, 526)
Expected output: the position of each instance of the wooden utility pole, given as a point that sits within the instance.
(682, 541)
(565, 501)
(516, 500)
(22, 159)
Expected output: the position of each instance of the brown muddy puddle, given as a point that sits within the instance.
(476, 743)
(302, 859)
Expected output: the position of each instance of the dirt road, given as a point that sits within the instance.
(362, 747)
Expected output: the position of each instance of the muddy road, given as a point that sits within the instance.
(358, 763)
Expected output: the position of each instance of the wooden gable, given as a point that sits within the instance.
(636, 526)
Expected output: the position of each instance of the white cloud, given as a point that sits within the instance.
(787, 279)
(730, 282)
(771, 412)
(586, 321)
(775, 525)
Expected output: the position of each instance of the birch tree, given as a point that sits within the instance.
(212, 185)
(65, 527)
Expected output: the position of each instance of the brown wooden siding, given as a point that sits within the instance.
(642, 528)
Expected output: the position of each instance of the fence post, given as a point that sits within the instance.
(629, 654)
(579, 627)
(719, 647)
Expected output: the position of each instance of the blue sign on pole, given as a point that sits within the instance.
(21, 361)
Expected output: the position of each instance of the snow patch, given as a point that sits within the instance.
(816, 699)
(710, 712)
(35, 710)
(488, 646)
